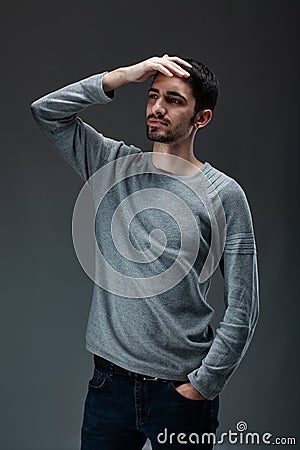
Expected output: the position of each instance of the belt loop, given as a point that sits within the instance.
(111, 369)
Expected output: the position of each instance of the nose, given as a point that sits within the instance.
(159, 107)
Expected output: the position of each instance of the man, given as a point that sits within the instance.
(158, 365)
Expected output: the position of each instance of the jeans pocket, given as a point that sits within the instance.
(173, 389)
(98, 380)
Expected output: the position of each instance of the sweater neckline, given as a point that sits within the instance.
(203, 169)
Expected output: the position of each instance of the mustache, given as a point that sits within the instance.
(152, 116)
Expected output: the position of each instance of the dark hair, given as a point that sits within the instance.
(204, 84)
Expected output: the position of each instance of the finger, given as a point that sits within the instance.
(170, 63)
(175, 68)
(180, 60)
(161, 68)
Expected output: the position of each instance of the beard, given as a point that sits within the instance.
(154, 134)
(168, 135)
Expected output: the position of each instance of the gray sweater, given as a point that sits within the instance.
(146, 315)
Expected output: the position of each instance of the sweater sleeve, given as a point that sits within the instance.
(241, 296)
(84, 148)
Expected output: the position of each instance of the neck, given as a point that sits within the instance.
(185, 164)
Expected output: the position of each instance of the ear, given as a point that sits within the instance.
(203, 118)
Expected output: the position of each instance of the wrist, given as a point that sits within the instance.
(114, 79)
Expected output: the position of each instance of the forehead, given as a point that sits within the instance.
(178, 84)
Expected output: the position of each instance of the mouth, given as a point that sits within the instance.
(156, 122)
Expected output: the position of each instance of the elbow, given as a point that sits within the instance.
(35, 109)
(39, 109)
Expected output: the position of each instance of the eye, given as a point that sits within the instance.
(174, 100)
(154, 96)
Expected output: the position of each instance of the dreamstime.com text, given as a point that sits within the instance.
(241, 436)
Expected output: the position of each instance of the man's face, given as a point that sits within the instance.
(170, 109)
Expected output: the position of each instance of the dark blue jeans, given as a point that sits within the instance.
(120, 412)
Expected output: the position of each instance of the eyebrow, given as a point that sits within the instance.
(174, 93)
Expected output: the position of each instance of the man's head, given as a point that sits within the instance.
(204, 84)
(181, 105)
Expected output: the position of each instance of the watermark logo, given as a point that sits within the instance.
(110, 191)
(241, 426)
(240, 436)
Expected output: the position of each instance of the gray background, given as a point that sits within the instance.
(254, 137)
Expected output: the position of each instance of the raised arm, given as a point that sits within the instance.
(80, 144)
(144, 70)
(57, 115)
